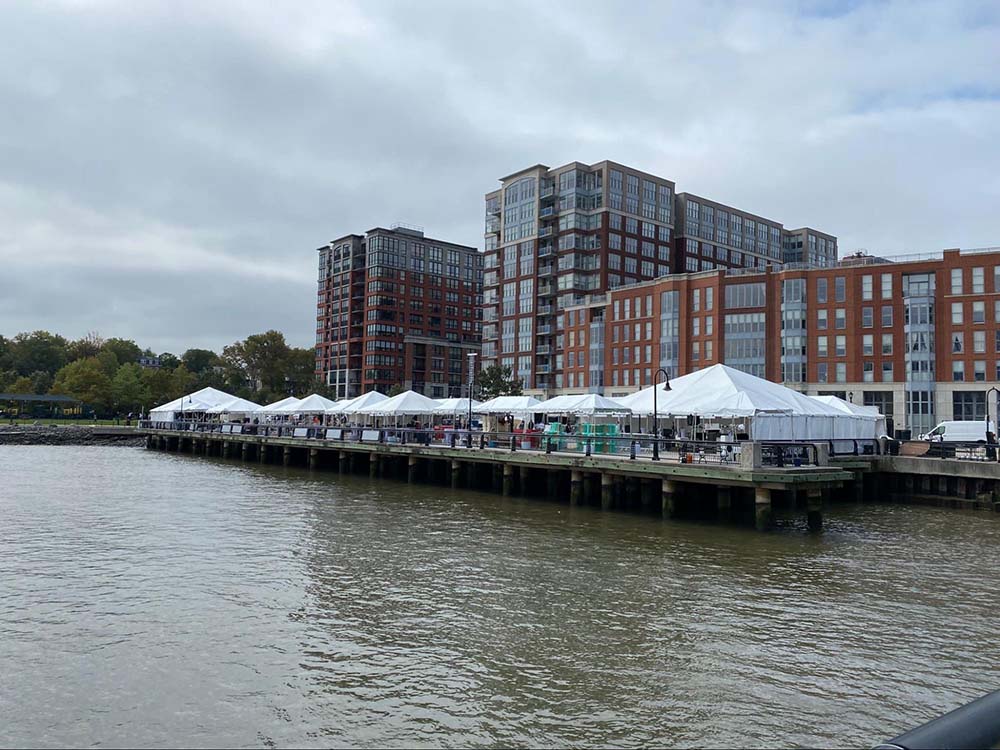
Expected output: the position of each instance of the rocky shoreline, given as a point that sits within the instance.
(42, 434)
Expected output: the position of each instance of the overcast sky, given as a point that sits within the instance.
(167, 170)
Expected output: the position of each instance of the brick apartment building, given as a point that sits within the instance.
(556, 236)
(396, 308)
(918, 338)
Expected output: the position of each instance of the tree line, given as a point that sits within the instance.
(106, 376)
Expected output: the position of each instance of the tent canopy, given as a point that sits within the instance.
(313, 404)
(587, 404)
(509, 405)
(199, 401)
(721, 391)
(277, 406)
(234, 406)
(402, 404)
(847, 407)
(338, 406)
(455, 406)
(366, 399)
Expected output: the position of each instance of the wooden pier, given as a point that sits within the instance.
(741, 489)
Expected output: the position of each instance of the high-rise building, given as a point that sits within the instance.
(556, 237)
(918, 338)
(396, 308)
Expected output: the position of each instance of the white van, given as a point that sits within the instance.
(966, 431)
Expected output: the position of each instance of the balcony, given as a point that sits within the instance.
(544, 330)
(546, 270)
(544, 350)
(545, 250)
(549, 212)
(546, 232)
(545, 309)
(547, 192)
(492, 226)
(543, 369)
(546, 289)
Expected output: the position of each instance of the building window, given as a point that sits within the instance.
(867, 345)
(821, 372)
(979, 371)
(822, 349)
(886, 343)
(821, 320)
(887, 372)
(979, 342)
(839, 289)
(979, 312)
(840, 346)
(867, 317)
(821, 290)
(866, 288)
(887, 286)
(958, 370)
(978, 281)
(840, 319)
(956, 313)
(956, 281)
(841, 372)
(868, 372)
(968, 405)
(887, 316)
(957, 343)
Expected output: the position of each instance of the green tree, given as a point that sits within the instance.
(259, 362)
(85, 380)
(22, 385)
(126, 351)
(200, 360)
(497, 380)
(181, 382)
(39, 350)
(157, 385)
(88, 346)
(169, 361)
(109, 362)
(128, 389)
(7, 378)
(395, 390)
(300, 369)
(41, 381)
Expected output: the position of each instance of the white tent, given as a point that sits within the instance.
(235, 406)
(313, 404)
(776, 412)
(197, 402)
(509, 405)
(407, 403)
(586, 404)
(338, 406)
(277, 406)
(851, 408)
(455, 406)
(366, 399)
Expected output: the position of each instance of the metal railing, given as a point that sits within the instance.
(974, 725)
(635, 446)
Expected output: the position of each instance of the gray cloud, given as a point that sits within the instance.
(166, 171)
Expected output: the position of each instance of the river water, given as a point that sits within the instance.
(151, 599)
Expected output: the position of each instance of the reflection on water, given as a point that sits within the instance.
(157, 600)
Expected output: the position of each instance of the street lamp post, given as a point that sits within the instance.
(992, 389)
(472, 371)
(656, 432)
